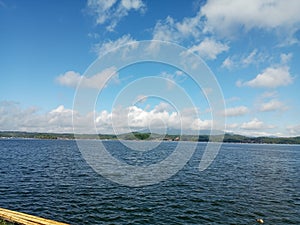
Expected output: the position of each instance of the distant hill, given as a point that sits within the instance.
(235, 138)
(171, 131)
(228, 138)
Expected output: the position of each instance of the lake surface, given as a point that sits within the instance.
(49, 178)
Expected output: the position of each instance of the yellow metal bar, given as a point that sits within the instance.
(25, 219)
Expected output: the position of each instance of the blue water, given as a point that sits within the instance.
(49, 178)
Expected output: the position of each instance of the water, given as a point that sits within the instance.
(49, 178)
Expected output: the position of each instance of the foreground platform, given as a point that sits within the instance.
(25, 219)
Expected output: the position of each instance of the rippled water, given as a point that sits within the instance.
(49, 178)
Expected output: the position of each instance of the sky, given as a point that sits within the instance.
(51, 51)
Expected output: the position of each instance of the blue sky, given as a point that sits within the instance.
(251, 47)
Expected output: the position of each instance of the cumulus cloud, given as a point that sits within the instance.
(98, 81)
(294, 130)
(163, 107)
(171, 30)
(14, 117)
(70, 79)
(162, 116)
(271, 77)
(272, 105)
(255, 124)
(165, 30)
(225, 17)
(112, 11)
(189, 27)
(236, 111)
(209, 48)
(101, 8)
(119, 120)
(268, 102)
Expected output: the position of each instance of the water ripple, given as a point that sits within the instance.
(49, 178)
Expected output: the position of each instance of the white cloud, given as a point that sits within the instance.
(98, 81)
(14, 117)
(93, 35)
(246, 59)
(162, 116)
(101, 8)
(60, 119)
(225, 17)
(70, 79)
(140, 99)
(250, 58)
(269, 94)
(253, 58)
(132, 4)
(176, 31)
(236, 111)
(170, 30)
(272, 105)
(105, 47)
(255, 124)
(190, 26)
(207, 91)
(178, 73)
(209, 48)
(294, 130)
(285, 58)
(162, 107)
(166, 30)
(173, 79)
(239, 83)
(228, 16)
(271, 77)
(228, 63)
(112, 11)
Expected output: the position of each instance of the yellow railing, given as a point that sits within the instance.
(25, 219)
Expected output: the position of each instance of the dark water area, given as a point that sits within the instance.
(49, 178)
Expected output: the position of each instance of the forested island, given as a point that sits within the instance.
(228, 138)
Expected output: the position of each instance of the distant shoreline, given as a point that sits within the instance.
(228, 138)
